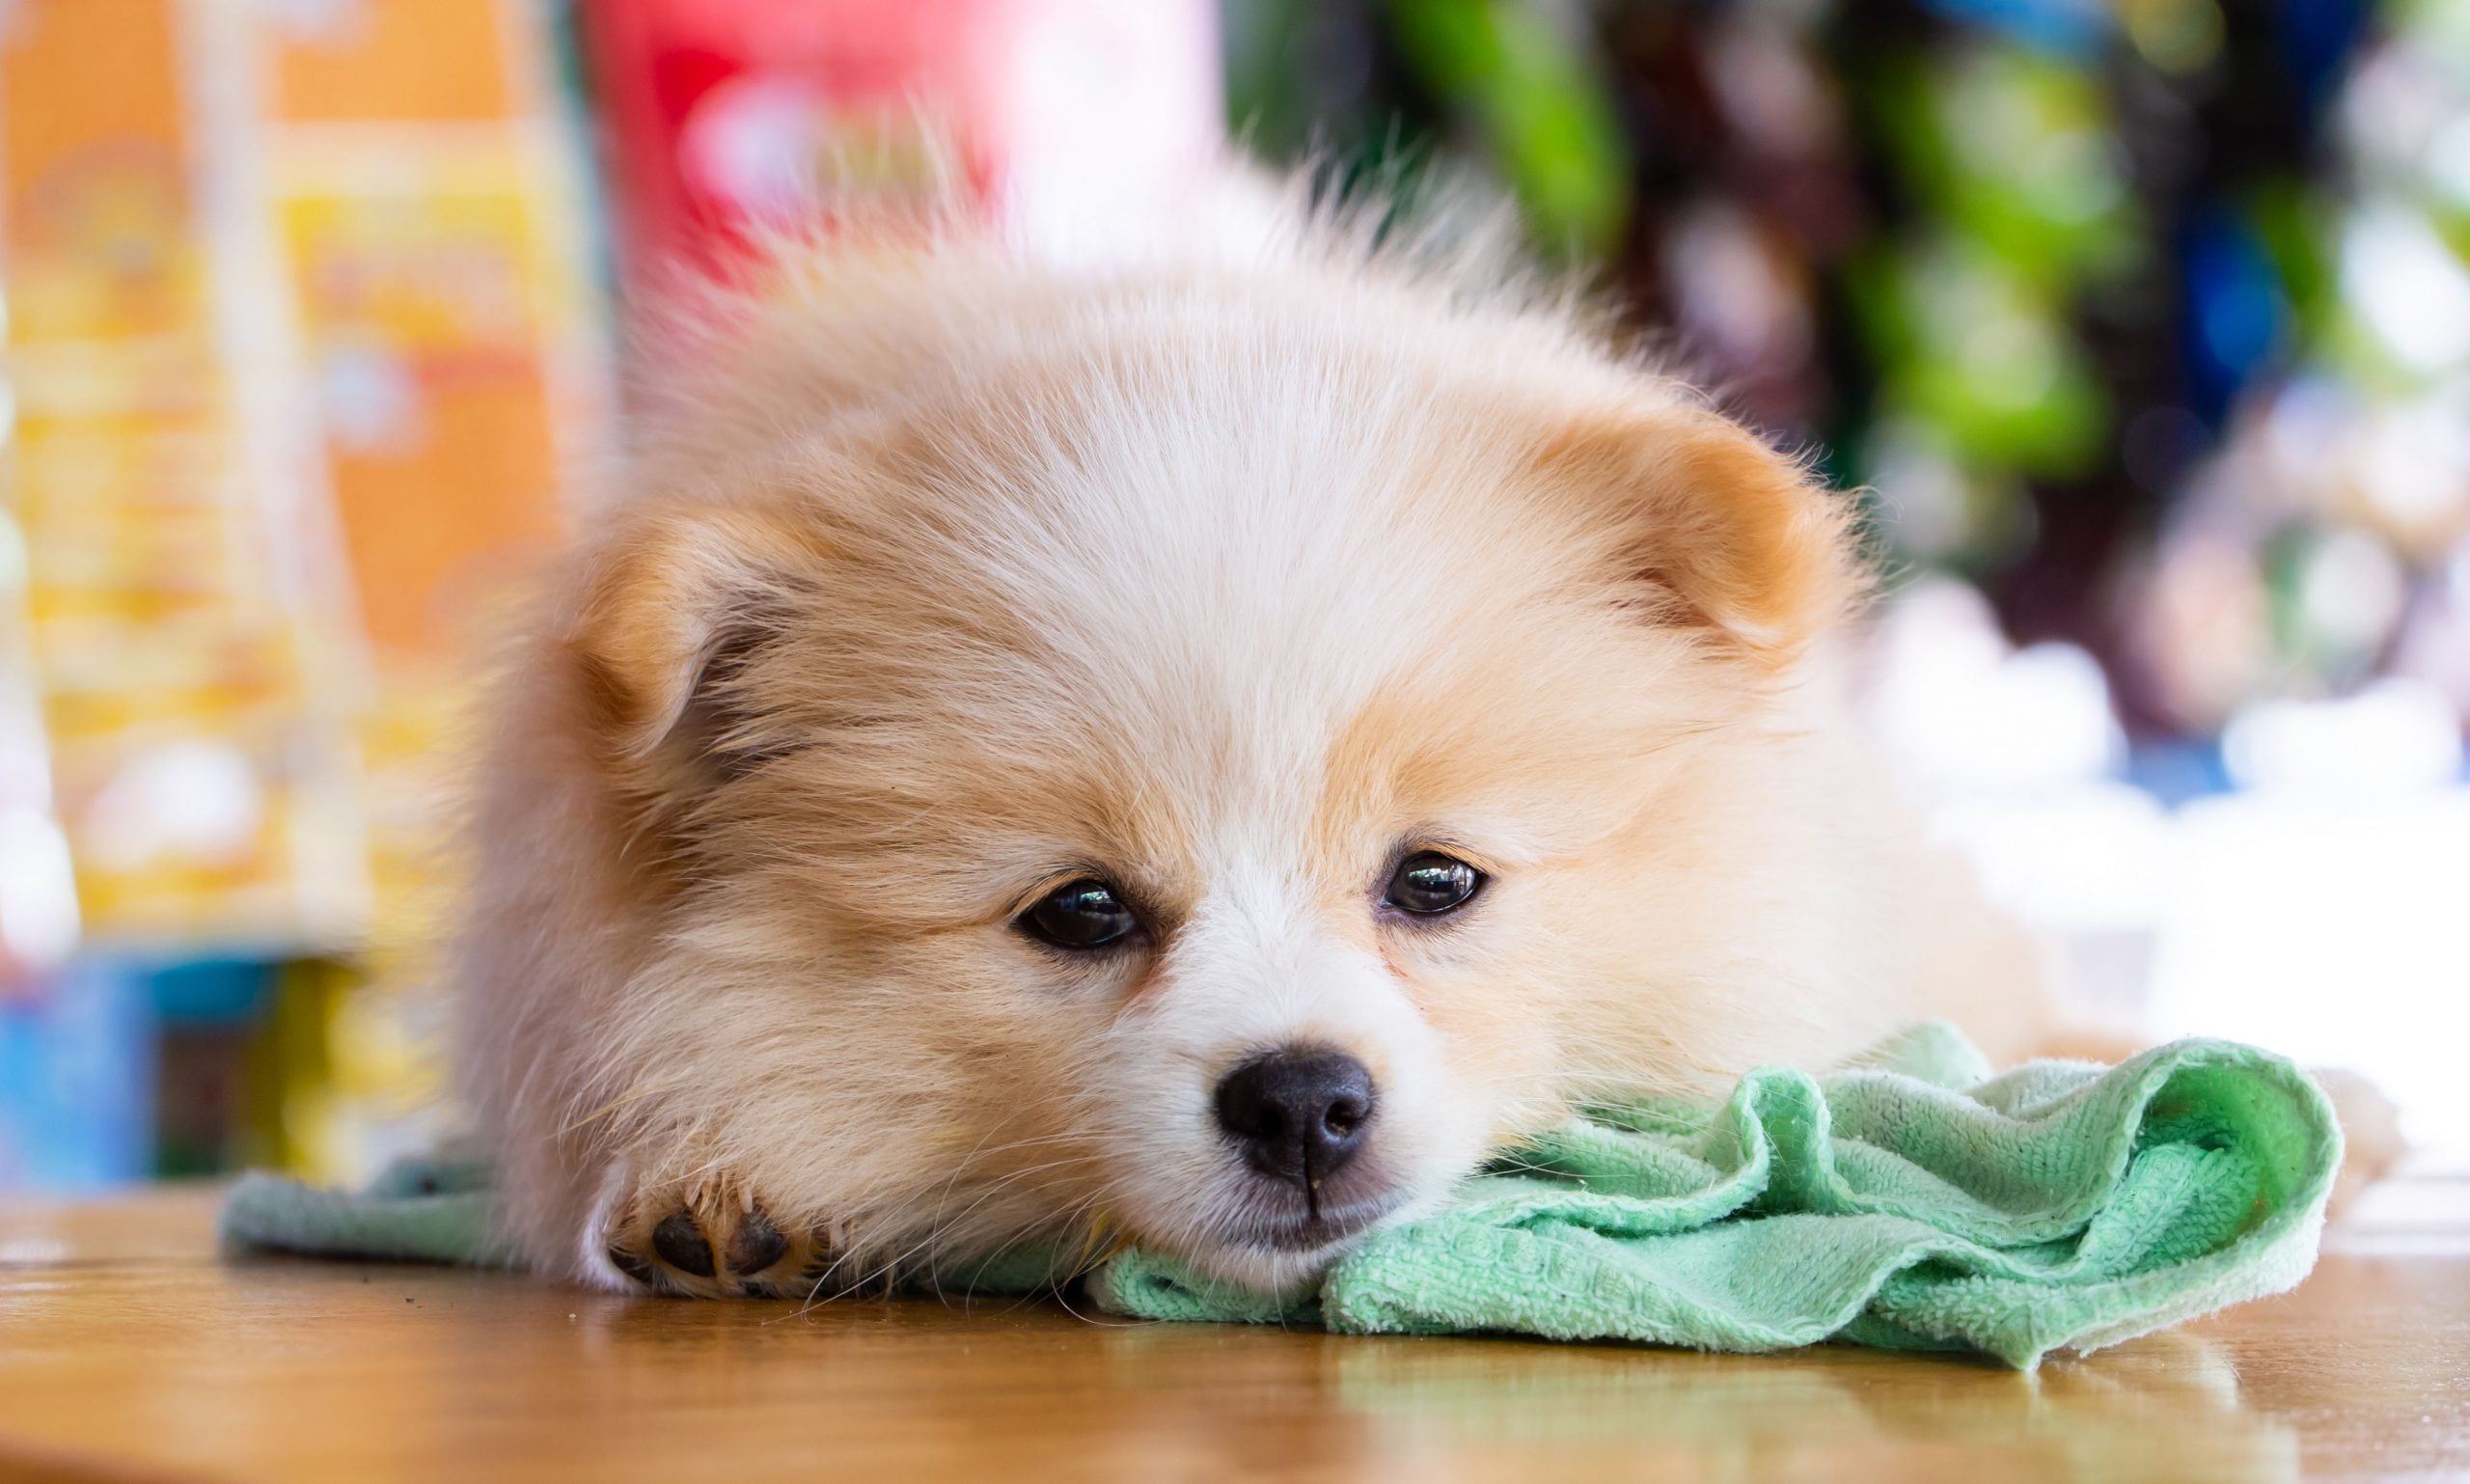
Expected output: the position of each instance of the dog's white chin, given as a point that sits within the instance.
(1265, 1267)
(1275, 1271)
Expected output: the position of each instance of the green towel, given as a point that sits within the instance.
(426, 1209)
(1911, 1200)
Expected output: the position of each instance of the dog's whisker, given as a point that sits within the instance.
(888, 1266)
(992, 1190)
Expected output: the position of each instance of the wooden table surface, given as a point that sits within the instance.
(128, 1351)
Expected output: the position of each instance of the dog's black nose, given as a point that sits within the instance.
(1298, 1114)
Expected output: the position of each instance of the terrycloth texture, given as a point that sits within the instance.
(420, 1210)
(1915, 1202)
(1912, 1201)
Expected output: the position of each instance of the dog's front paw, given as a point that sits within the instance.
(713, 1238)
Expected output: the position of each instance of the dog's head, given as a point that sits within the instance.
(1202, 771)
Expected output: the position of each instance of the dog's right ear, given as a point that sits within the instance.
(1717, 532)
(678, 612)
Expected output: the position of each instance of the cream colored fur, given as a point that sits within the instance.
(943, 576)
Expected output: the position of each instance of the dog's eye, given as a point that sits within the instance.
(1082, 914)
(1428, 884)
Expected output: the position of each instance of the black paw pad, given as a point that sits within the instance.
(758, 1244)
(680, 1244)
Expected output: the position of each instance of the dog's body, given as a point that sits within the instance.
(1435, 717)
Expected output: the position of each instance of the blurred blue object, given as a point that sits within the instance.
(2078, 28)
(212, 992)
(2317, 37)
(77, 1082)
(2239, 318)
(2175, 771)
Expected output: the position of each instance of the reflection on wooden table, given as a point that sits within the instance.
(127, 1351)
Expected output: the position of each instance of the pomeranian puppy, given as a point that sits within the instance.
(1198, 755)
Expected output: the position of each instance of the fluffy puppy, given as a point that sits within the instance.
(1195, 754)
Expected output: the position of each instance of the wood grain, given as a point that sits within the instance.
(127, 1351)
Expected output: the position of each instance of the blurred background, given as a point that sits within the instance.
(2144, 326)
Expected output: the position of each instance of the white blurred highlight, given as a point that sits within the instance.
(2316, 910)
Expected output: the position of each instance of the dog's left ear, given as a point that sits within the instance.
(1720, 533)
(678, 608)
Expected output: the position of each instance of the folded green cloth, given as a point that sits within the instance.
(1911, 1200)
(423, 1209)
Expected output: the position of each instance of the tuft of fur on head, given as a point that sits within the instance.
(1229, 575)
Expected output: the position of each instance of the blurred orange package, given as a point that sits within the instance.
(301, 348)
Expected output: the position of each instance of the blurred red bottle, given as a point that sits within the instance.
(1065, 119)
